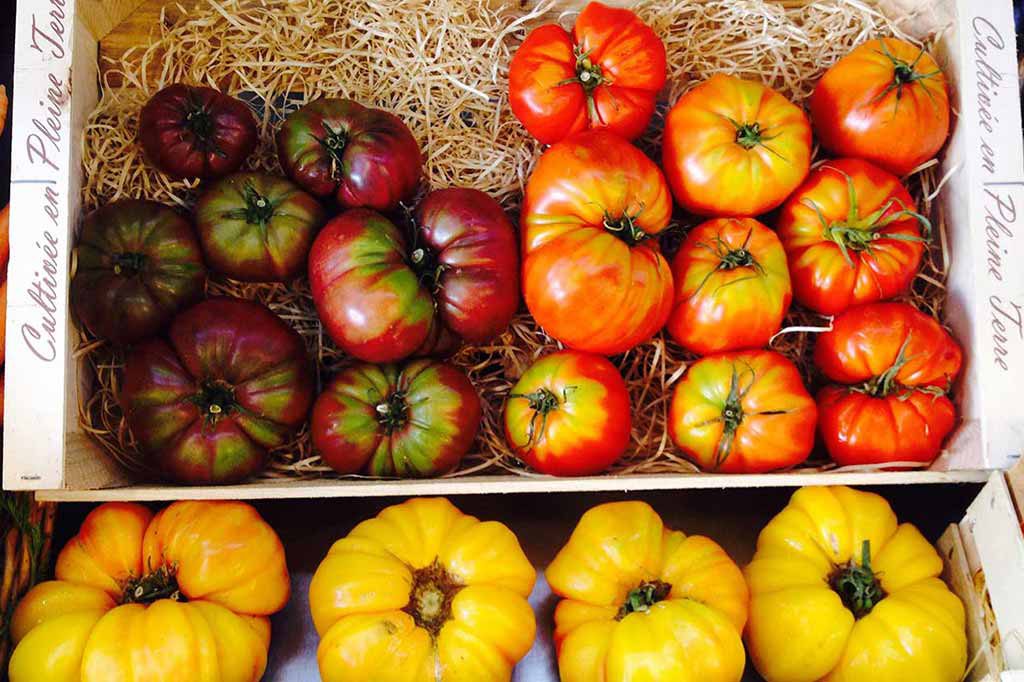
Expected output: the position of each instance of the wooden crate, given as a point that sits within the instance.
(56, 86)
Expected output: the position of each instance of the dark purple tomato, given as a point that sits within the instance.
(195, 132)
(138, 263)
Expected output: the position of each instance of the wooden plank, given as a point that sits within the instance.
(137, 29)
(471, 485)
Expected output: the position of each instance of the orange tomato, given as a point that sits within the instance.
(732, 286)
(735, 148)
(886, 102)
(593, 273)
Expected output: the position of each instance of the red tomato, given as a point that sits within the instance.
(607, 74)
(852, 234)
(745, 412)
(593, 273)
(898, 364)
(734, 148)
(732, 286)
(568, 415)
(886, 102)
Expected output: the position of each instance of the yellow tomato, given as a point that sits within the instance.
(642, 603)
(423, 593)
(841, 592)
(183, 595)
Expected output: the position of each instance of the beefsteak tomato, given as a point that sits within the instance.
(593, 273)
(257, 227)
(423, 593)
(417, 420)
(840, 590)
(735, 148)
(852, 234)
(230, 382)
(745, 412)
(138, 263)
(887, 102)
(183, 595)
(195, 132)
(644, 603)
(898, 365)
(732, 287)
(568, 415)
(382, 297)
(606, 74)
(360, 156)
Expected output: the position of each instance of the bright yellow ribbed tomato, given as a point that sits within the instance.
(841, 592)
(183, 595)
(423, 593)
(643, 603)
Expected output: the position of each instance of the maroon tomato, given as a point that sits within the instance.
(363, 157)
(194, 132)
(230, 382)
(382, 300)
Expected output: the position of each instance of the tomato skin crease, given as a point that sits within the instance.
(606, 74)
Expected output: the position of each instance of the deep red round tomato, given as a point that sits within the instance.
(257, 227)
(383, 297)
(230, 382)
(593, 273)
(568, 415)
(852, 234)
(898, 365)
(734, 148)
(361, 156)
(607, 74)
(886, 102)
(195, 132)
(745, 412)
(731, 286)
(138, 263)
(414, 420)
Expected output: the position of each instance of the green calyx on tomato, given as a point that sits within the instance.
(215, 399)
(543, 402)
(334, 143)
(590, 76)
(153, 586)
(430, 600)
(750, 135)
(885, 384)
(730, 259)
(258, 209)
(129, 264)
(393, 412)
(625, 228)
(642, 597)
(858, 586)
(856, 233)
(904, 74)
(733, 414)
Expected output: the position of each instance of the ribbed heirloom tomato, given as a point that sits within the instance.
(413, 420)
(743, 412)
(644, 603)
(423, 593)
(732, 286)
(183, 595)
(886, 102)
(840, 590)
(734, 148)
(852, 234)
(568, 415)
(897, 365)
(383, 295)
(606, 74)
(593, 273)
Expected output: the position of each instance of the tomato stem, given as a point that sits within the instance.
(625, 227)
(393, 412)
(642, 597)
(858, 586)
(215, 399)
(153, 586)
(543, 401)
(334, 142)
(258, 208)
(430, 599)
(903, 74)
(200, 123)
(129, 264)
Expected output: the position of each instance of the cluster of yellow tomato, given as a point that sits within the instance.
(837, 590)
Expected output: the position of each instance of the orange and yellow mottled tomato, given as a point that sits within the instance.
(840, 591)
(744, 412)
(732, 287)
(644, 603)
(735, 148)
(886, 102)
(593, 273)
(852, 235)
(183, 595)
(423, 593)
(568, 415)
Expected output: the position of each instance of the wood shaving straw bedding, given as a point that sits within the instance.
(442, 67)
